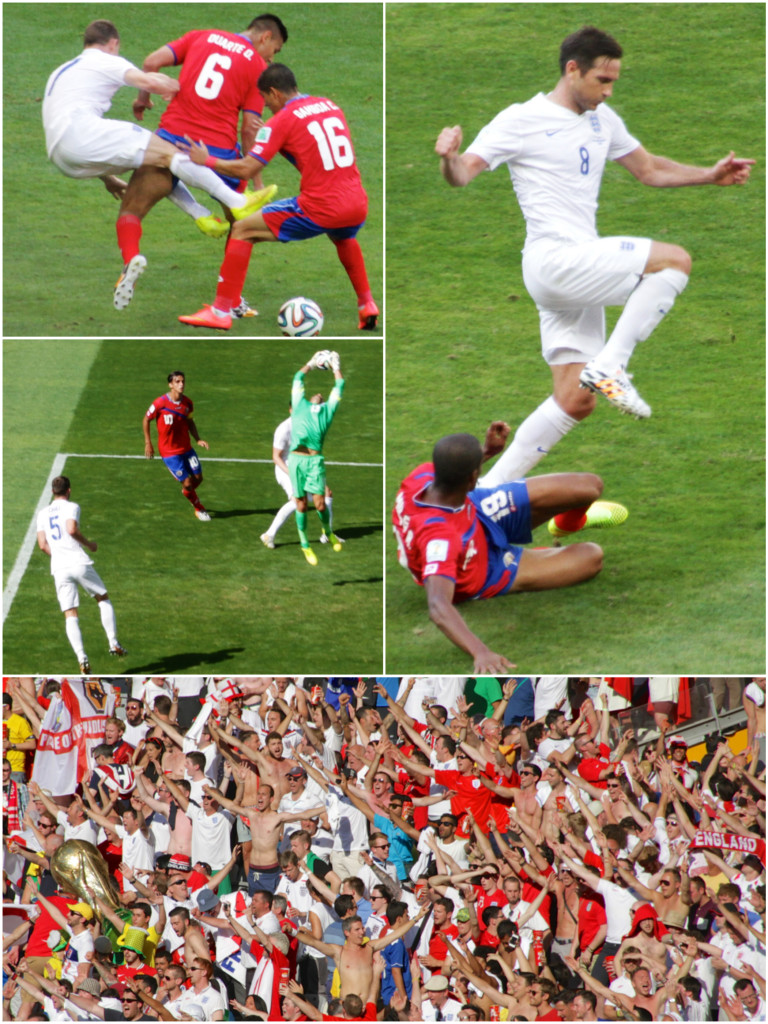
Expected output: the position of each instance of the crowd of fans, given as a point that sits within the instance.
(433, 848)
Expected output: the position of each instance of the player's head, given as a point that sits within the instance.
(590, 61)
(457, 459)
(587, 46)
(175, 375)
(100, 33)
(277, 84)
(60, 486)
(269, 35)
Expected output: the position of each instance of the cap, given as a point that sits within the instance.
(90, 985)
(437, 983)
(180, 862)
(207, 900)
(296, 773)
(82, 909)
(676, 741)
(463, 914)
(102, 945)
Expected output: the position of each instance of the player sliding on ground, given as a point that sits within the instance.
(173, 414)
(461, 542)
(82, 144)
(310, 420)
(312, 133)
(556, 147)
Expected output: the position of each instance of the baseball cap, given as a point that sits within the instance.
(437, 983)
(207, 900)
(180, 862)
(296, 773)
(81, 908)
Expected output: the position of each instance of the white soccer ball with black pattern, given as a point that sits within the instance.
(300, 318)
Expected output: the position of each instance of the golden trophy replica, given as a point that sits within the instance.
(78, 866)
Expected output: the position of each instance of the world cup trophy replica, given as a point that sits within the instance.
(77, 866)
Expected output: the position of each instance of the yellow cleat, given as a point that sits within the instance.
(310, 556)
(213, 227)
(600, 515)
(254, 201)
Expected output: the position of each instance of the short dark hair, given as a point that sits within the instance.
(343, 904)
(99, 32)
(197, 758)
(743, 984)
(455, 458)
(176, 373)
(586, 46)
(270, 23)
(395, 909)
(60, 485)
(277, 76)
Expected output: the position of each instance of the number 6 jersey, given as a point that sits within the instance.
(312, 133)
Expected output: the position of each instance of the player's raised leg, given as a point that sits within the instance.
(664, 278)
(109, 622)
(551, 568)
(571, 502)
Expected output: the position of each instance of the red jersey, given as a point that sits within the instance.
(591, 919)
(218, 80)
(435, 541)
(471, 795)
(590, 767)
(312, 133)
(437, 946)
(37, 944)
(488, 899)
(172, 426)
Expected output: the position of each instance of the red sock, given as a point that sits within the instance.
(128, 235)
(191, 495)
(351, 256)
(572, 520)
(232, 274)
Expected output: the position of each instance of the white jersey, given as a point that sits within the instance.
(282, 439)
(556, 160)
(66, 553)
(82, 87)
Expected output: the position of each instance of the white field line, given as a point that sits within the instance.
(30, 538)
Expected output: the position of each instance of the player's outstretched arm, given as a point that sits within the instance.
(660, 172)
(495, 438)
(458, 169)
(444, 615)
(150, 81)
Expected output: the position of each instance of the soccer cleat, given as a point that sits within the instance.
(325, 539)
(243, 310)
(600, 515)
(254, 201)
(206, 317)
(310, 556)
(202, 515)
(619, 390)
(336, 542)
(267, 541)
(118, 650)
(368, 314)
(132, 271)
(213, 227)
(85, 666)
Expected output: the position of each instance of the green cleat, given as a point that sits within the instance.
(310, 556)
(600, 515)
(254, 201)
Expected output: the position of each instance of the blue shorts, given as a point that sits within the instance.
(182, 466)
(505, 513)
(222, 154)
(288, 223)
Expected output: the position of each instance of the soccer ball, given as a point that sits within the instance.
(300, 318)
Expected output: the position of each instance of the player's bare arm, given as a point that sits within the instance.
(73, 531)
(162, 58)
(458, 169)
(42, 543)
(243, 168)
(194, 433)
(659, 172)
(440, 592)
(114, 185)
(149, 451)
(495, 438)
(156, 82)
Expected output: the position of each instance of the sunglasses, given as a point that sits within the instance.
(127, 999)
(526, 772)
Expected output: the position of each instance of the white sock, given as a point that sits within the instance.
(329, 506)
(282, 514)
(108, 621)
(533, 440)
(646, 307)
(206, 179)
(181, 196)
(75, 637)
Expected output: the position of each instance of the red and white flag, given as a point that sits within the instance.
(73, 725)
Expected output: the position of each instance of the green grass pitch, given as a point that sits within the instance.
(61, 255)
(191, 596)
(683, 585)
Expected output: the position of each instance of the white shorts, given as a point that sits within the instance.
(68, 581)
(571, 286)
(92, 146)
(285, 481)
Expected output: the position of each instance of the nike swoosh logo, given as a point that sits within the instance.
(554, 131)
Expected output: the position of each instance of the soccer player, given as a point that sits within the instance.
(59, 536)
(82, 144)
(555, 147)
(173, 414)
(312, 133)
(310, 421)
(461, 541)
(217, 83)
(281, 446)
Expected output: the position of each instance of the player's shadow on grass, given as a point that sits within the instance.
(190, 659)
(367, 579)
(231, 513)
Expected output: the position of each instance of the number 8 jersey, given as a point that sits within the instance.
(312, 133)
(218, 80)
